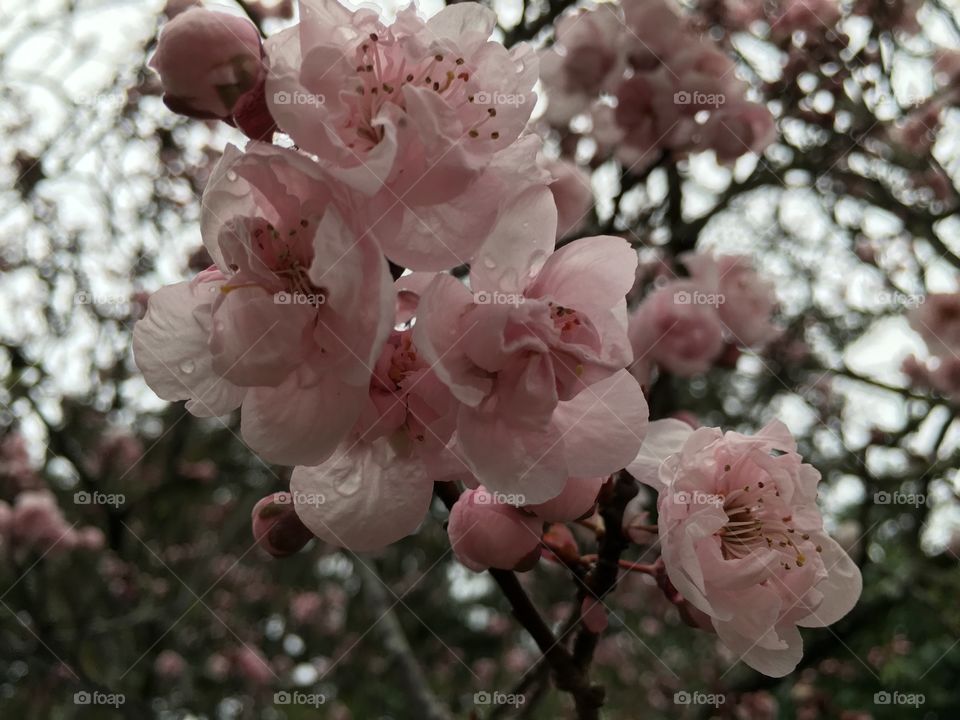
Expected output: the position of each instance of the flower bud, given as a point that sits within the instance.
(577, 499)
(486, 534)
(276, 526)
(208, 61)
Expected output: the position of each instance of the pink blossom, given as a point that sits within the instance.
(289, 320)
(276, 527)
(739, 128)
(377, 487)
(743, 539)
(422, 118)
(169, 664)
(38, 523)
(485, 533)
(572, 193)
(747, 301)
(536, 355)
(250, 664)
(578, 498)
(937, 320)
(677, 328)
(584, 58)
(210, 66)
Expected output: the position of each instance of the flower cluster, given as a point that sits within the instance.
(408, 154)
(684, 325)
(651, 84)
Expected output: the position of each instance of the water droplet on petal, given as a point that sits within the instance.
(231, 176)
(489, 263)
(187, 367)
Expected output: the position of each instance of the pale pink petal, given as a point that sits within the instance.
(603, 426)
(170, 348)
(663, 438)
(364, 498)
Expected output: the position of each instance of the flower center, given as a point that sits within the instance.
(758, 519)
(384, 68)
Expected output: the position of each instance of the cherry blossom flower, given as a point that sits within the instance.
(585, 57)
(422, 118)
(486, 533)
(378, 486)
(678, 328)
(287, 323)
(536, 355)
(743, 539)
(746, 301)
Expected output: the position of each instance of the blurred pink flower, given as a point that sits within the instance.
(743, 539)
(677, 328)
(937, 321)
(747, 301)
(581, 63)
(485, 533)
